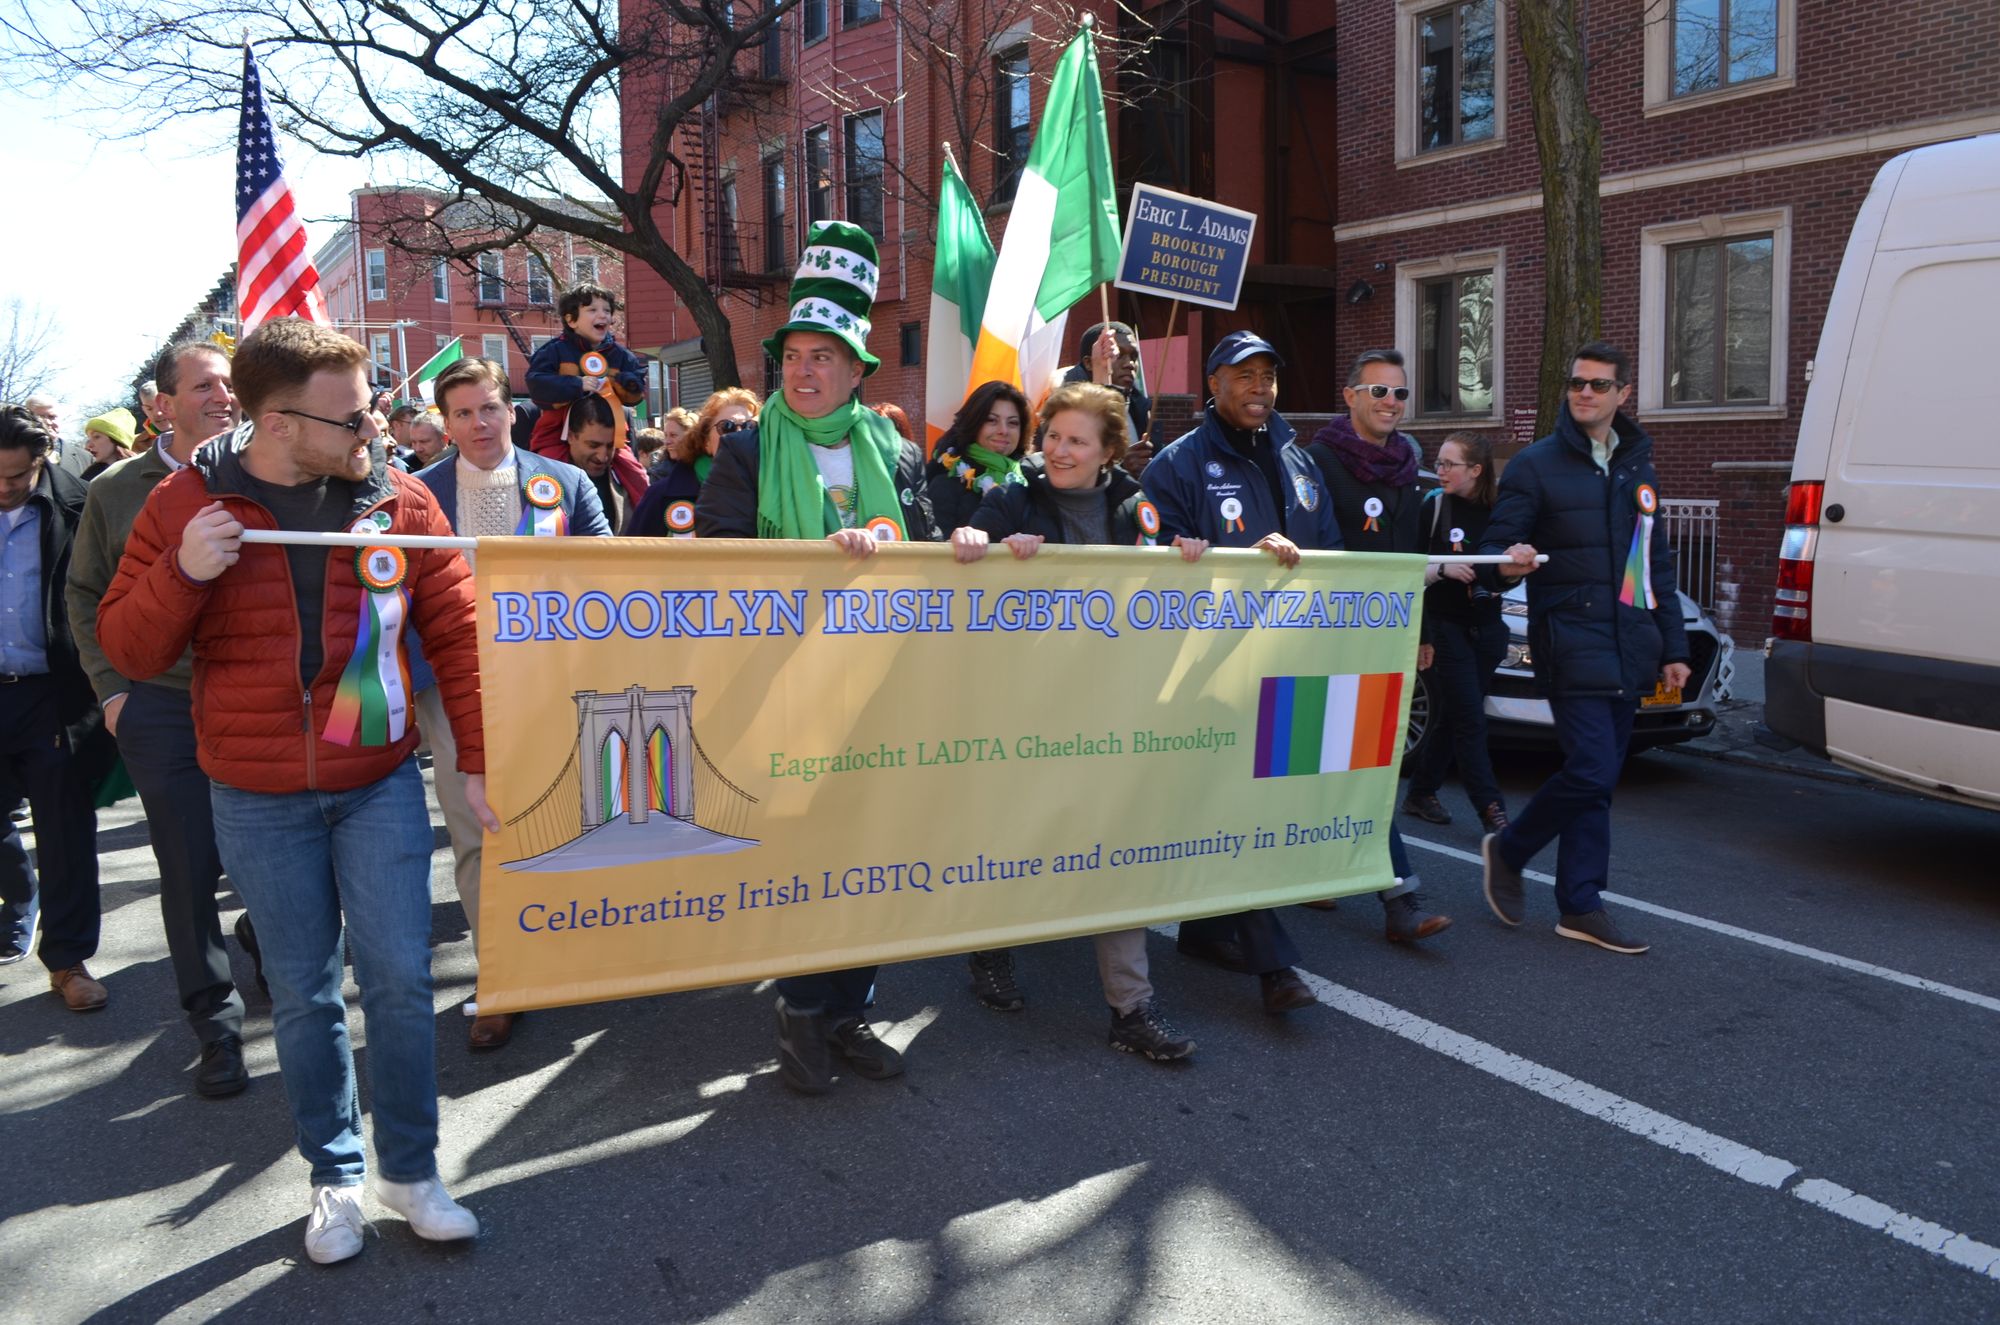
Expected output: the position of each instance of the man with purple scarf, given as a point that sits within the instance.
(1371, 472)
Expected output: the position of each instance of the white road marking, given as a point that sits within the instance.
(1718, 1152)
(1889, 974)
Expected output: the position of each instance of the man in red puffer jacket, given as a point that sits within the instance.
(303, 723)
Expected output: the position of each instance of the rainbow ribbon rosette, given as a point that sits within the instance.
(371, 702)
(1637, 590)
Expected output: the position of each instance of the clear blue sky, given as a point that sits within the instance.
(119, 238)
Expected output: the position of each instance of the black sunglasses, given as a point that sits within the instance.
(351, 424)
(1603, 386)
(736, 425)
(1376, 391)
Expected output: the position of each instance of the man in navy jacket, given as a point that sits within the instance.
(1240, 480)
(1604, 625)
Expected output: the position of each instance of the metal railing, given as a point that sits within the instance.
(1691, 525)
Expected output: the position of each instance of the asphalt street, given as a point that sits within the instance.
(1788, 1110)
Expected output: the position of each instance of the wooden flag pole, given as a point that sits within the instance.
(1166, 353)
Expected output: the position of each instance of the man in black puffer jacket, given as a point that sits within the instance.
(1604, 625)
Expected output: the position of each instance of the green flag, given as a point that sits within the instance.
(960, 276)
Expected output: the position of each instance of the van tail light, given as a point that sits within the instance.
(1791, 616)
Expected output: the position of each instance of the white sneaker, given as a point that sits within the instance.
(333, 1230)
(429, 1208)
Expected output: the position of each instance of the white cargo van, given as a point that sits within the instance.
(1886, 648)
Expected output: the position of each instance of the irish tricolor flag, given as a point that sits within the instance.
(436, 364)
(1328, 724)
(959, 279)
(1062, 236)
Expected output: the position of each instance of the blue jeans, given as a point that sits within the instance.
(1575, 804)
(300, 859)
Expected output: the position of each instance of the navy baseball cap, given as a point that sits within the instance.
(1238, 346)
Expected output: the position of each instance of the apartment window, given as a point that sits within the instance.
(535, 343)
(732, 248)
(441, 283)
(1455, 75)
(1719, 322)
(1713, 307)
(541, 290)
(378, 354)
(865, 163)
(812, 20)
(494, 348)
(853, 13)
(1455, 345)
(583, 270)
(1451, 78)
(1012, 131)
(492, 285)
(773, 60)
(774, 214)
(819, 173)
(1450, 316)
(443, 341)
(912, 344)
(1701, 51)
(1719, 43)
(378, 274)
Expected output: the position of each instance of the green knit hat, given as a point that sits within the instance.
(834, 290)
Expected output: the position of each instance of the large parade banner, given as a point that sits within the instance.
(720, 761)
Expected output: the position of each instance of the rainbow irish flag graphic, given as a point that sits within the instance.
(1328, 724)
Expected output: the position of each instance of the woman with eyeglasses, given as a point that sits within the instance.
(1465, 638)
(981, 450)
(667, 508)
(1371, 472)
(1074, 492)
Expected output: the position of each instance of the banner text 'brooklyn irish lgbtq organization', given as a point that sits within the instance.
(723, 761)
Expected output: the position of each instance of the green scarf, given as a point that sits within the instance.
(792, 500)
(1002, 469)
(701, 467)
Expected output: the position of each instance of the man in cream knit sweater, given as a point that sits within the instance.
(488, 488)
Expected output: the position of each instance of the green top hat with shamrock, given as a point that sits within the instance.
(834, 290)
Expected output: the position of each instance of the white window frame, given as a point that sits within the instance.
(375, 263)
(1410, 277)
(536, 267)
(1659, 98)
(535, 343)
(441, 283)
(380, 353)
(1408, 122)
(498, 276)
(487, 344)
(583, 269)
(1654, 241)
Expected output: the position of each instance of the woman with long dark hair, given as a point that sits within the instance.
(981, 450)
(1464, 638)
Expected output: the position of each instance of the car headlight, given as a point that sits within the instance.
(1513, 607)
(1518, 658)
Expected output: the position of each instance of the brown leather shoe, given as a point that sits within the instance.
(1285, 992)
(491, 1031)
(79, 992)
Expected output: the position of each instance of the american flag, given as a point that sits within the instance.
(274, 277)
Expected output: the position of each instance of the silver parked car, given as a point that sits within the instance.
(1517, 717)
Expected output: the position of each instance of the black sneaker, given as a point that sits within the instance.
(1144, 1030)
(1494, 817)
(993, 980)
(246, 934)
(854, 1039)
(1596, 927)
(221, 1073)
(1503, 883)
(1405, 920)
(803, 1061)
(1426, 807)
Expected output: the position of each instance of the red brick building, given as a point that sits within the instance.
(1740, 137)
(405, 308)
(844, 116)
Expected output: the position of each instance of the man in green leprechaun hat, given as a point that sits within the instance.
(820, 464)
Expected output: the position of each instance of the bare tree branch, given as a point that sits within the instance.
(27, 350)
